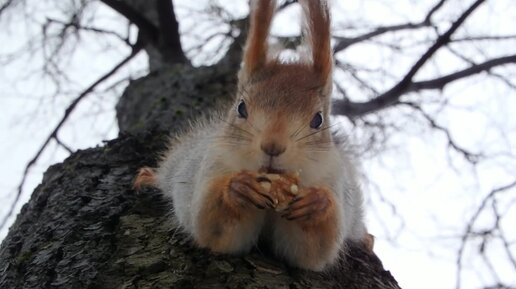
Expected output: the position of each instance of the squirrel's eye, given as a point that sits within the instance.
(317, 120)
(241, 109)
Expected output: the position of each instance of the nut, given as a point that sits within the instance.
(294, 189)
(280, 187)
(266, 186)
(273, 177)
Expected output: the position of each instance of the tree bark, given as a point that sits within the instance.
(85, 227)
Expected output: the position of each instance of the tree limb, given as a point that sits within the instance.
(439, 83)
(504, 79)
(353, 109)
(149, 30)
(345, 42)
(442, 40)
(392, 95)
(169, 41)
(6, 5)
(428, 18)
(484, 38)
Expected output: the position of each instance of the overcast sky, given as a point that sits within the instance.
(420, 194)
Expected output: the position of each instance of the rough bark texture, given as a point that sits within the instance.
(164, 99)
(85, 227)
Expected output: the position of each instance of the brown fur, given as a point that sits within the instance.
(318, 73)
(318, 18)
(320, 225)
(291, 87)
(283, 92)
(224, 216)
(228, 206)
(146, 178)
(255, 54)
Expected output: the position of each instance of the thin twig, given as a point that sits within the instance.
(471, 157)
(469, 226)
(391, 96)
(53, 135)
(77, 26)
(63, 145)
(6, 5)
(345, 42)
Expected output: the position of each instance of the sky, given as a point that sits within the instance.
(420, 193)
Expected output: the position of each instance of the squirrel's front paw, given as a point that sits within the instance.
(245, 189)
(311, 205)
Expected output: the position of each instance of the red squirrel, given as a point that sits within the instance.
(269, 167)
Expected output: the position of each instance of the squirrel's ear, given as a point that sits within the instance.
(318, 38)
(255, 52)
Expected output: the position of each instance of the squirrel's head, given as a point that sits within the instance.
(280, 118)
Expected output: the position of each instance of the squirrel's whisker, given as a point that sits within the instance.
(238, 128)
(252, 126)
(316, 132)
(297, 131)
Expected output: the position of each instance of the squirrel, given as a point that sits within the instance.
(270, 168)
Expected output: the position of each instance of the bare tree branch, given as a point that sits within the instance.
(353, 109)
(471, 157)
(492, 73)
(53, 135)
(353, 72)
(63, 145)
(469, 227)
(391, 96)
(345, 42)
(484, 38)
(76, 25)
(6, 5)
(439, 83)
(169, 41)
(149, 30)
(442, 40)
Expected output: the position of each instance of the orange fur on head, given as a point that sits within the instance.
(317, 37)
(146, 177)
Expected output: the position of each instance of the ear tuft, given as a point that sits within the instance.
(255, 52)
(319, 38)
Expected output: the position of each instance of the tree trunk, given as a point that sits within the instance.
(85, 227)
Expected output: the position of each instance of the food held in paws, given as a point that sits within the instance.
(282, 187)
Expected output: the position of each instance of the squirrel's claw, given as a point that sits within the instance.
(146, 177)
(245, 188)
(315, 201)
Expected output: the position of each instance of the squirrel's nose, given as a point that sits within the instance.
(272, 149)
